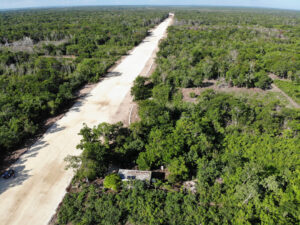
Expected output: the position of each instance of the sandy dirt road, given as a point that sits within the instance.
(39, 186)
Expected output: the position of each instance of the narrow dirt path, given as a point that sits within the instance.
(33, 196)
(292, 102)
(277, 89)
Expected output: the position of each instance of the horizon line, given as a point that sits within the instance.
(146, 5)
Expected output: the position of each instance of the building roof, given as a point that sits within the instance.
(135, 175)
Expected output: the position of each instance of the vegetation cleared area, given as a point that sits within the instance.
(48, 54)
(241, 154)
(290, 88)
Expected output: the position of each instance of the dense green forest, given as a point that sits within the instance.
(242, 153)
(251, 146)
(241, 47)
(46, 55)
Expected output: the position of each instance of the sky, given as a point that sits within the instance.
(284, 4)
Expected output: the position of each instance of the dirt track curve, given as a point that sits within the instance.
(39, 186)
(277, 89)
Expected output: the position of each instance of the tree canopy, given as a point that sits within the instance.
(242, 153)
(46, 55)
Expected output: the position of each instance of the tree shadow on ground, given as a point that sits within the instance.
(55, 128)
(21, 174)
(207, 84)
(76, 106)
(113, 74)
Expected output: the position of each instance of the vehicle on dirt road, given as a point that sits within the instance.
(8, 174)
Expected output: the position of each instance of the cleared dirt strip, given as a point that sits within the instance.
(33, 196)
(277, 89)
(292, 102)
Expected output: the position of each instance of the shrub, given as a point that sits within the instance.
(113, 181)
(193, 95)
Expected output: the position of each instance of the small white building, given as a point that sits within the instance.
(135, 175)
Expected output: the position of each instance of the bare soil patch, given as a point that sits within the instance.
(218, 86)
(27, 45)
(221, 86)
(275, 77)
